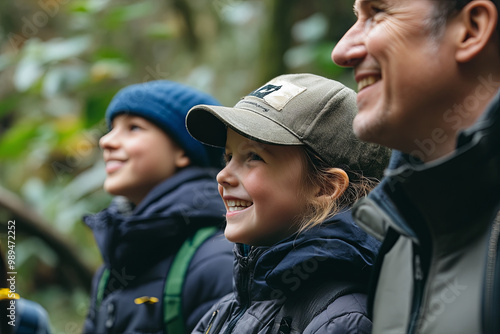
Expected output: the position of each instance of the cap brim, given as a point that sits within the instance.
(209, 124)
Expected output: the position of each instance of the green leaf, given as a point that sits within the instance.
(16, 139)
(311, 29)
(88, 6)
(8, 103)
(60, 49)
(63, 78)
(121, 15)
(159, 31)
(28, 72)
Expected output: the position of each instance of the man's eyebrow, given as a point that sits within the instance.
(355, 9)
(363, 3)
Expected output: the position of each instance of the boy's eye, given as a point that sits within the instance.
(134, 127)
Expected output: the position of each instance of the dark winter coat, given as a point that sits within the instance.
(138, 249)
(266, 277)
(436, 269)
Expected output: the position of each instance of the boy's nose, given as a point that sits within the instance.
(350, 50)
(108, 141)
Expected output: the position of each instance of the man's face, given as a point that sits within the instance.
(402, 70)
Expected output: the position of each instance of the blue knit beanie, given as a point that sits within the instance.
(166, 103)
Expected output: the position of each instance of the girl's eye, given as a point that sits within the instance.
(134, 127)
(254, 157)
(227, 158)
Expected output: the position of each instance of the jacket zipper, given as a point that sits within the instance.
(211, 322)
(418, 281)
(245, 298)
(490, 270)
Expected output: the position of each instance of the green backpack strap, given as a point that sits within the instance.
(103, 281)
(173, 319)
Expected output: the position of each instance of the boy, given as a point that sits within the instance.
(167, 205)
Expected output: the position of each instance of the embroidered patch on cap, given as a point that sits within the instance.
(278, 93)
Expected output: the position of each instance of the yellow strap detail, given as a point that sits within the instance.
(5, 293)
(146, 299)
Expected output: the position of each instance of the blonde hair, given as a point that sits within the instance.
(319, 174)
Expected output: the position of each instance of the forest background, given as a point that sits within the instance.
(61, 61)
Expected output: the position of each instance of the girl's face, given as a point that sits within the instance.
(263, 190)
(138, 155)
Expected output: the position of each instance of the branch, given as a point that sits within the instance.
(30, 222)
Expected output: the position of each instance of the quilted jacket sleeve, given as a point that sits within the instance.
(346, 315)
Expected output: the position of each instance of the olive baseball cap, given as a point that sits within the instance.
(295, 109)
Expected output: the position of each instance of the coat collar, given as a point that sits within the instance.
(441, 193)
(160, 223)
(337, 249)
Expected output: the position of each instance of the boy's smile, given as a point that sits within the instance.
(263, 190)
(113, 165)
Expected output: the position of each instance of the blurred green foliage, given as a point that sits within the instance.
(62, 61)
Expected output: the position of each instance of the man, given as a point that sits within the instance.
(428, 75)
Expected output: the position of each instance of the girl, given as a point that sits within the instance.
(293, 169)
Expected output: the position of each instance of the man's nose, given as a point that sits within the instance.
(350, 50)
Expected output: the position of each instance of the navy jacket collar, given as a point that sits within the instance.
(337, 249)
(468, 178)
(160, 223)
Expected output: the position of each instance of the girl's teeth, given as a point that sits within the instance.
(235, 205)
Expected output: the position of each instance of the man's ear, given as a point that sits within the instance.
(338, 181)
(478, 21)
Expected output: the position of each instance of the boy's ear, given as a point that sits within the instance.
(478, 20)
(338, 182)
(182, 160)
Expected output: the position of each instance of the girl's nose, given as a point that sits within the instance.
(350, 50)
(225, 177)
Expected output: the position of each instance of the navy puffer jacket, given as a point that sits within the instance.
(266, 277)
(139, 247)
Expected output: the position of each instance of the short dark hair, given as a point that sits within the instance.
(447, 8)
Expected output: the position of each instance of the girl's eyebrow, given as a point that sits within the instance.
(251, 144)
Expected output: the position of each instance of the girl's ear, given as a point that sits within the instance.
(337, 183)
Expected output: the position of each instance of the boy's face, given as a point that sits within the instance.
(263, 190)
(138, 156)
